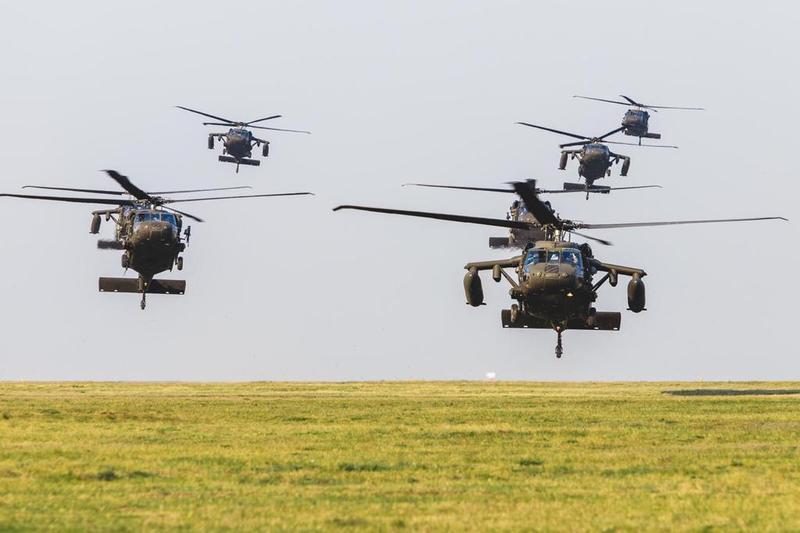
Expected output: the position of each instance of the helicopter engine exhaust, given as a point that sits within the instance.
(636, 296)
(473, 288)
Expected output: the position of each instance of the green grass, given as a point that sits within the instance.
(387, 456)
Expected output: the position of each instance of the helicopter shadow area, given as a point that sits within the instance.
(732, 392)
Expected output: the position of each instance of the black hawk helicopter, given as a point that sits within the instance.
(518, 238)
(595, 158)
(635, 121)
(147, 229)
(239, 141)
(554, 287)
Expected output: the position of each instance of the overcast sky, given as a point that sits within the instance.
(396, 92)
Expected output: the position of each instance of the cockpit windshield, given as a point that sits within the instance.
(564, 256)
(147, 216)
(534, 257)
(596, 149)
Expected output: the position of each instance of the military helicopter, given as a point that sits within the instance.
(519, 238)
(147, 229)
(239, 141)
(595, 159)
(554, 288)
(635, 121)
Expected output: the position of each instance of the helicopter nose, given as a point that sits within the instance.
(156, 230)
(551, 278)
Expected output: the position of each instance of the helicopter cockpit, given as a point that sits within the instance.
(150, 216)
(635, 117)
(239, 132)
(563, 256)
(596, 149)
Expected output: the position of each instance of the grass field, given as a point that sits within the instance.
(386, 456)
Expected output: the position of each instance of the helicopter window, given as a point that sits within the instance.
(573, 257)
(552, 257)
(534, 257)
(169, 217)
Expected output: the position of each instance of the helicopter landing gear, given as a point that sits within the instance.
(559, 346)
(143, 303)
(126, 260)
(179, 262)
(514, 313)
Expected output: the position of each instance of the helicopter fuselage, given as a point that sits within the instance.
(151, 239)
(239, 143)
(554, 288)
(595, 160)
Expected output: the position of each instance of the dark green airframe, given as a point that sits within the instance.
(594, 157)
(554, 287)
(239, 141)
(147, 230)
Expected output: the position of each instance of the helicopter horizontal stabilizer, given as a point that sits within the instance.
(250, 162)
(605, 321)
(580, 187)
(499, 242)
(157, 286)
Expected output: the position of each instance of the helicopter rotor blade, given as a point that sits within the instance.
(206, 114)
(596, 239)
(262, 119)
(102, 201)
(612, 132)
(229, 124)
(648, 145)
(538, 191)
(632, 101)
(515, 224)
(573, 135)
(598, 190)
(203, 190)
(126, 184)
(675, 107)
(580, 225)
(631, 187)
(278, 129)
(600, 99)
(121, 193)
(536, 207)
(578, 143)
(188, 215)
(235, 197)
(459, 187)
(93, 191)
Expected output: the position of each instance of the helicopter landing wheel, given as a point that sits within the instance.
(143, 303)
(514, 313)
(125, 260)
(180, 263)
(559, 346)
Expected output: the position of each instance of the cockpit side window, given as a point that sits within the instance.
(534, 257)
(574, 258)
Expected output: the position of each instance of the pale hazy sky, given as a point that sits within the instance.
(396, 92)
